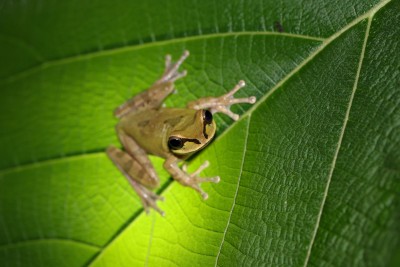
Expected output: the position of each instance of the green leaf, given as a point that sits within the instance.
(310, 173)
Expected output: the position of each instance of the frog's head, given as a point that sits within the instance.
(193, 134)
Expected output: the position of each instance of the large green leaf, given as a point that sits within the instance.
(310, 174)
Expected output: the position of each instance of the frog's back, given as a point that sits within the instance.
(151, 128)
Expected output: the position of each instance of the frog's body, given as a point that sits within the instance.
(151, 129)
(171, 133)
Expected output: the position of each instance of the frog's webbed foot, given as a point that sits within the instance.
(189, 179)
(171, 72)
(223, 103)
(148, 198)
(194, 179)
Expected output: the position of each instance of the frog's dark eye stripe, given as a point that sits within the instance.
(207, 119)
(175, 142)
(194, 140)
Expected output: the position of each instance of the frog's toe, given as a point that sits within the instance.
(230, 100)
(149, 199)
(214, 179)
(197, 187)
(224, 102)
(199, 170)
(171, 72)
(195, 181)
(204, 195)
(177, 75)
(156, 208)
(226, 110)
(152, 203)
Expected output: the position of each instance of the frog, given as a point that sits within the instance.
(147, 127)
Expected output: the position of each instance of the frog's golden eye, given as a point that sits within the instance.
(207, 116)
(207, 120)
(175, 142)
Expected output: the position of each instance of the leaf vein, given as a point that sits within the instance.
(237, 189)
(150, 240)
(107, 52)
(333, 165)
(48, 240)
(326, 42)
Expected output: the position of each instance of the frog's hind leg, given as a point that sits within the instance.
(156, 94)
(136, 174)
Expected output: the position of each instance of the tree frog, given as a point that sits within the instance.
(146, 127)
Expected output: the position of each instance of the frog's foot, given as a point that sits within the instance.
(171, 73)
(147, 197)
(194, 180)
(223, 103)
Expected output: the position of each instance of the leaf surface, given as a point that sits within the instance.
(310, 174)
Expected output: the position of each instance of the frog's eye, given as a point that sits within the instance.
(175, 142)
(207, 116)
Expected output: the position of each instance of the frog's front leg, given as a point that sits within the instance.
(223, 103)
(183, 177)
(171, 73)
(156, 94)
